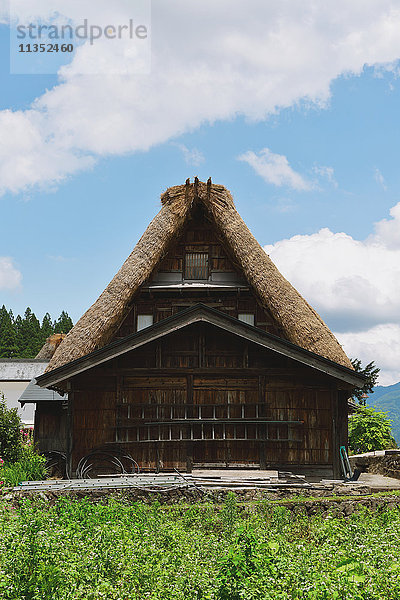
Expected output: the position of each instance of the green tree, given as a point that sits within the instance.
(10, 432)
(24, 337)
(47, 328)
(369, 430)
(63, 324)
(29, 338)
(8, 341)
(371, 373)
(18, 335)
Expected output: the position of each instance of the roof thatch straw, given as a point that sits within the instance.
(299, 321)
(50, 346)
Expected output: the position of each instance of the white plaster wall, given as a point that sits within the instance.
(12, 390)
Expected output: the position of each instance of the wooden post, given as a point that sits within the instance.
(337, 474)
(202, 348)
(158, 355)
(69, 432)
(189, 414)
(263, 429)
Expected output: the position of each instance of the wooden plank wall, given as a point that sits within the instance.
(50, 430)
(155, 402)
(93, 422)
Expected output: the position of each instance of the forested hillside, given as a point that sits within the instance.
(387, 399)
(23, 337)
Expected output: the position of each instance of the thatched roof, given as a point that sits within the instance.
(50, 346)
(299, 321)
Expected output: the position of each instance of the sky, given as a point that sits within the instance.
(293, 106)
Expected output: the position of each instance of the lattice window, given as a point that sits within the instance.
(198, 422)
(246, 318)
(196, 265)
(144, 321)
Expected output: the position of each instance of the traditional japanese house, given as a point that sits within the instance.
(200, 353)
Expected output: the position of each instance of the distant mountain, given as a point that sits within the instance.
(387, 399)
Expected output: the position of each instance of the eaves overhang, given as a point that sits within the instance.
(195, 314)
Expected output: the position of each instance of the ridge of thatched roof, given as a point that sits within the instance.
(50, 346)
(300, 322)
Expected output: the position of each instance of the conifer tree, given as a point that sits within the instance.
(24, 337)
(47, 328)
(371, 373)
(8, 345)
(63, 323)
(29, 335)
(18, 335)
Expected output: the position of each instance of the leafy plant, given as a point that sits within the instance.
(352, 570)
(10, 432)
(31, 466)
(369, 430)
(238, 564)
(117, 549)
(229, 514)
(19, 461)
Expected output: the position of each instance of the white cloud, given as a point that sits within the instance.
(327, 173)
(388, 230)
(275, 169)
(380, 344)
(10, 277)
(353, 284)
(242, 57)
(380, 179)
(30, 155)
(192, 156)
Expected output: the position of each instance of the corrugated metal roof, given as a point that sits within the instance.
(33, 393)
(21, 369)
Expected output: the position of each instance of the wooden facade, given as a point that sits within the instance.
(225, 288)
(200, 374)
(202, 396)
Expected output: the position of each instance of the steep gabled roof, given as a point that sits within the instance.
(50, 346)
(200, 313)
(300, 322)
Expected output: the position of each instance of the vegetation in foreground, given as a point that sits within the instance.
(19, 461)
(29, 467)
(79, 550)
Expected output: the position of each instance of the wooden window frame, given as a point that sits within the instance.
(144, 315)
(247, 314)
(206, 267)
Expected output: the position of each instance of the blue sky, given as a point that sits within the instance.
(323, 155)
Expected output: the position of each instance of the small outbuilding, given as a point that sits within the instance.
(199, 353)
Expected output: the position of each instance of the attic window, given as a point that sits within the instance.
(196, 265)
(246, 318)
(144, 321)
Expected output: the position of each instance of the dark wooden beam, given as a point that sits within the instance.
(196, 314)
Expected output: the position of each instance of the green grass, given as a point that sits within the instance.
(76, 549)
(302, 499)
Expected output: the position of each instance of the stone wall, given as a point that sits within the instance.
(327, 506)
